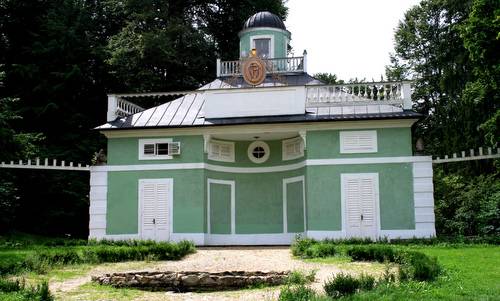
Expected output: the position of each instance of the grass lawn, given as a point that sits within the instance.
(471, 272)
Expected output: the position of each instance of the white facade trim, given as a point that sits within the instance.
(287, 181)
(232, 185)
(319, 235)
(143, 156)
(170, 183)
(98, 203)
(344, 136)
(278, 168)
(252, 29)
(259, 128)
(423, 198)
(343, 201)
(250, 239)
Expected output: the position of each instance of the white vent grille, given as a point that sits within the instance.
(292, 148)
(358, 142)
(221, 151)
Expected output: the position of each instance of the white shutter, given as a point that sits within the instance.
(221, 151)
(155, 196)
(292, 148)
(174, 148)
(353, 202)
(359, 198)
(358, 142)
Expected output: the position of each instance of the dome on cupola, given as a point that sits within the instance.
(264, 19)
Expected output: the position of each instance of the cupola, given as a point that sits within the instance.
(266, 33)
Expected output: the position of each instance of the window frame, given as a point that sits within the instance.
(345, 134)
(267, 36)
(143, 142)
(219, 157)
(284, 143)
(252, 146)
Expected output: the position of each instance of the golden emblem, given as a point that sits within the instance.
(254, 71)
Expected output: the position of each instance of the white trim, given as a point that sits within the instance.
(197, 238)
(375, 178)
(372, 134)
(258, 128)
(297, 140)
(278, 168)
(250, 239)
(285, 201)
(264, 36)
(252, 146)
(232, 185)
(325, 234)
(142, 142)
(220, 158)
(252, 29)
(170, 183)
(404, 234)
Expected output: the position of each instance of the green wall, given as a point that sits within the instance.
(220, 208)
(280, 41)
(259, 196)
(189, 200)
(259, 200)
(125, 151)
(391, 142)
(295, 207)
(241, 156)
(395, 195)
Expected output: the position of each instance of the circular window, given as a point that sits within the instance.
(258, 152)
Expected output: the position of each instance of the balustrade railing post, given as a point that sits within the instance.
(112, 106)
(304, 61)
(406, 96)
(218, 67)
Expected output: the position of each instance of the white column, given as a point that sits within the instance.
(305, 60)
(98, 203)
(218, 67)
(423, 197)
(112, 106)
(406, 95)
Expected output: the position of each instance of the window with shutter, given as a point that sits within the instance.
(221, 151)
(358, 142)
(155, 149)
(292, 148)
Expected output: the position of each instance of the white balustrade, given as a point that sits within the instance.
(389, 93)
(275, 65)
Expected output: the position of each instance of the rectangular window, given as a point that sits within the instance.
(263, 47)
(155, 149)
(221, 151)
(292, 148)
(358, 142)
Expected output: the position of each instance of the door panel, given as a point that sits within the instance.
(154, 198)
(359, 197)
(220, 208)
(295, 206)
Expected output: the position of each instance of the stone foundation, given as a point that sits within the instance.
(191, 281)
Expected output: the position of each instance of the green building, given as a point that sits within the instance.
(263, 153)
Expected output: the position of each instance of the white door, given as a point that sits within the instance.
(155, 197)
(360, 203)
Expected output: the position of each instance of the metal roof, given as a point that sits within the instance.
(264, 19)
(188, 110)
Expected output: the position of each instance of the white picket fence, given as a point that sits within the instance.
(36, 164)
(472, 155)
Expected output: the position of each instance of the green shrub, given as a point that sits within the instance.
(300, 245)
(297, 293)
(380, 253)
(40, 292)
(341, 285)
(366, 282)
(418, 266)
(298, 277)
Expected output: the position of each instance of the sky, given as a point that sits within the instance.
(351, 38)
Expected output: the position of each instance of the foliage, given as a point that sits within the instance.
(380, 253)
(341, 284)
(450, 49)
(467, 205)
(39, 292)
(297, 293)
(328, 78)
(299, 278)
(45, 258)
